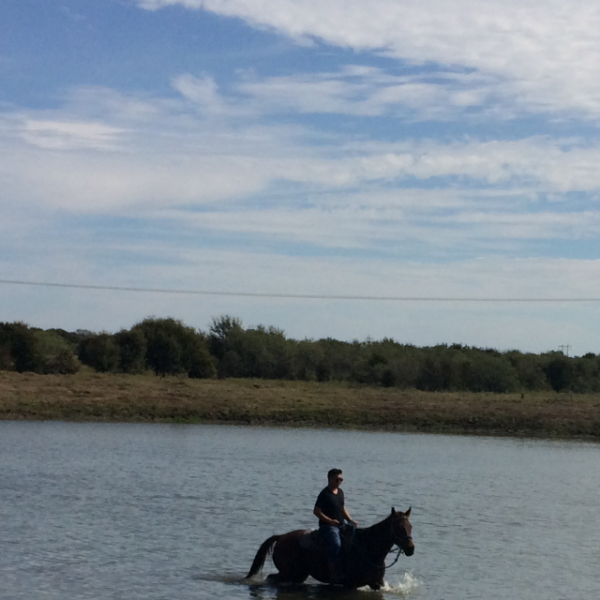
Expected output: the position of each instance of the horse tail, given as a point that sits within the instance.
(259, 560)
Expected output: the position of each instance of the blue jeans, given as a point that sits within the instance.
(334, 542)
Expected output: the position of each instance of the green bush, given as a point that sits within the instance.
(559, 372)
(132, 350)
(173, 348)
(21, 344)
(489, 373)
(56, 354)
(168, 347)
(100, 351)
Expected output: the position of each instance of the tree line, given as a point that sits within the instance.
(228, 349)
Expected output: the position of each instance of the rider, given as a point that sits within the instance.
(331, 512)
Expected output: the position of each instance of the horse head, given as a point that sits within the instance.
(402, 531)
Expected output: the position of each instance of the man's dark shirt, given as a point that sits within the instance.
(331, 504)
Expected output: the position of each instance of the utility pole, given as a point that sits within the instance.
(565, 349)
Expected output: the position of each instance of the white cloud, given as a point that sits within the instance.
(544, 54)
(370, 92)
(532, 226)
(203, 92)
(70, 135)
(108, 152)
(112, 183)
(391, 230)
(160, 161)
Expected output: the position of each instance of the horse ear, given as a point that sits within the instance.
(407, 513)
(393, 510)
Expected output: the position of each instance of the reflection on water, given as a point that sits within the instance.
(313, 590)
(154, 512)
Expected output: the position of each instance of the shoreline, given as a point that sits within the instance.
(96, 397)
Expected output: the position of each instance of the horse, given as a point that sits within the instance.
(363, 556)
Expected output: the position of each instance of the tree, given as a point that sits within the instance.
(132, 350)
(586, 374)
(530, 370)
(56, 353)
(223, 334)
(163, 354)
(100, 351)
(196, 358)
(6, 361)
(173, 348)
(21, 343)
(559, 372)
(488, 372)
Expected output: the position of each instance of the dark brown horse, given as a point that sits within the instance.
(363, 555)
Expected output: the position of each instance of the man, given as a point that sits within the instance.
(331, 512)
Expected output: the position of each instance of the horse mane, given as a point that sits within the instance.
(377, 532)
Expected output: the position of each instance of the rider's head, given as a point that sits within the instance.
(335, 476)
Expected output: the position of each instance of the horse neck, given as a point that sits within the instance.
(377, 540)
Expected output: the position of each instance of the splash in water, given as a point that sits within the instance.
(406, 587)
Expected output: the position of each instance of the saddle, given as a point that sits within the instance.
(313, 539)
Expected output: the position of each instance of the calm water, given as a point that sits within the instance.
(96, 511)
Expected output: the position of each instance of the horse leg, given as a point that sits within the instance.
(378, 583)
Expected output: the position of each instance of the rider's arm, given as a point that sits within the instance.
(323, 517)
(348, 517)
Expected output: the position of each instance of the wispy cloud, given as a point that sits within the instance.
(542, 56)
(203, 92)
(70, 135)
(370, 92)
(108, 151)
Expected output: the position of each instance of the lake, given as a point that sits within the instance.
(177, 512)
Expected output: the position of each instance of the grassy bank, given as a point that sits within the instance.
(101, 397)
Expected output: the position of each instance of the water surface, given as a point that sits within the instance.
(110, 511)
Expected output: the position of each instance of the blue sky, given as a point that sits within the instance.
(389, 148)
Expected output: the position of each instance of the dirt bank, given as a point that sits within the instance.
(145, 398)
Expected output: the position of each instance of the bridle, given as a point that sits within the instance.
(400, 541)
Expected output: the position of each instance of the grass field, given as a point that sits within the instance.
(91, 396)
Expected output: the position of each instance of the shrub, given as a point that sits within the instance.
(173, 348)
(100, 351)
(132, 350)
(57, 355)
(20, 342)
(559, 372)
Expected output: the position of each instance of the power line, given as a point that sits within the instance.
(118, 288)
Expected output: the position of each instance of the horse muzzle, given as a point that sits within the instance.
(408, 546)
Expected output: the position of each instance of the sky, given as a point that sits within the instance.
(335, 168)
